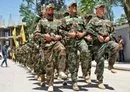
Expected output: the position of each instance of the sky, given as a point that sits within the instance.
(117, 12)
(8, 7)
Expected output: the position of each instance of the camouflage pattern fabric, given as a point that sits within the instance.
(73, 45)
(55, 54)
(99, 26)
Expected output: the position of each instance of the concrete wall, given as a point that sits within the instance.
(124, 31)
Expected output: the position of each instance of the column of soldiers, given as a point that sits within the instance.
(62, 45)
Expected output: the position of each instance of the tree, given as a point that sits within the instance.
(30, 17)
(87, 6)
(126, 5)
(30, 10)
(58, 3)
(122, 20)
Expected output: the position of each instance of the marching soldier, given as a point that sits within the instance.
(101, 31)
(54, 50)
(73, 30)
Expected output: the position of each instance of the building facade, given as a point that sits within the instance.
(6, 32)
(6, 36)
(124, 31)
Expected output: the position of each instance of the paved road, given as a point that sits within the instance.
(15, 78)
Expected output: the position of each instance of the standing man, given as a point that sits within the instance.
(73, 30)
(5, 55)
(101, 30)
(121, 51)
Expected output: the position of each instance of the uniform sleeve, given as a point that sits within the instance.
(112, 34)
(91, 28)
(111, 30)
(39, 29)
(62, 28)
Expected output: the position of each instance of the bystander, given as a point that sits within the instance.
(121, 51)
(5, 55)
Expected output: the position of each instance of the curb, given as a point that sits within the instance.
(116, 67)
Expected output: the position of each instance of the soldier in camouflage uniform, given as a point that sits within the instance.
(101, 31)
(88, 39)
(74, 31)
(54, 50)
(34, 44)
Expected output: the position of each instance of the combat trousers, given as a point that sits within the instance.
(52, 54)
(59, 56)
(91, 59)
(73, 59)
(99, 51)
(113, 48)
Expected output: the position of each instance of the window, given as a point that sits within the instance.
(6, 34)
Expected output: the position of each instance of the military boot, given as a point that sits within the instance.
(43, 80)
(39, 78)
(32, 71)
(62, 75)
(36, 76)
(50, 89)
(87, 79)
(75, 87)
(112, 69)
(101, 86)
(42, 84)
(56, 75)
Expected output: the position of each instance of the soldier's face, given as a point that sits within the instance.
(50, 10)
(49, 13)
(73, 10)
(100, 11)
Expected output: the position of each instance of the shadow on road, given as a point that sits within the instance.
(58, 85)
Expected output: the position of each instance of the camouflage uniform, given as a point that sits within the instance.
(87, 18)
(73, 45)
(35, 57)
(99, 26)
(54, 51)
(113, 49)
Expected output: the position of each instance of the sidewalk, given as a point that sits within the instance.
(117, 65)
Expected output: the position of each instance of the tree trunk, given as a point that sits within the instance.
(127, 9)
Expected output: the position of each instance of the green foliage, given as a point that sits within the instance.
(86, 6)
(30, 10)
(27, 11)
